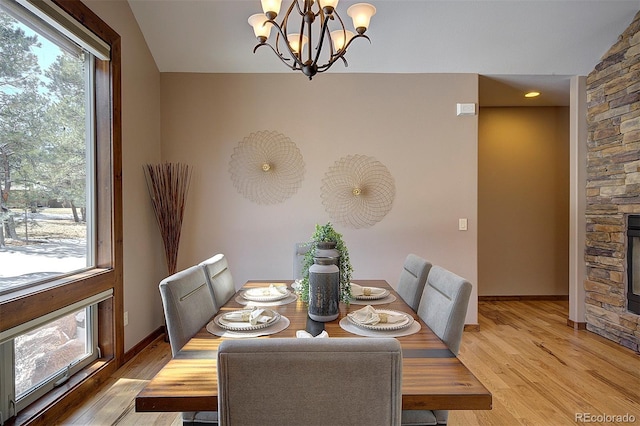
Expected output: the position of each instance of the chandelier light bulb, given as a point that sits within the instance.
(271, 8)
(339, 40)
(294, 40)
(328, 6)
(261, 30)
(361, 14)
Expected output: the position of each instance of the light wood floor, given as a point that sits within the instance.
(540, 372)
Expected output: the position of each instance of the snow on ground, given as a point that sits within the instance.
(22, 264)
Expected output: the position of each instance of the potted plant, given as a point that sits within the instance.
(326, 233)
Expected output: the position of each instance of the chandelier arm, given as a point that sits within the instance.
(323, 34)
(286, 42)
(300, 35)
(341, 53)
(297, 4)
(278, 54)
(344, 50)
(328, 65)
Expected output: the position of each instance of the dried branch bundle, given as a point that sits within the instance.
(168, 185)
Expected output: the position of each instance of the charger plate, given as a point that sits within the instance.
(228, 324)
(350, 327)
(274, 328)
(257, 295)
(390, 298)
(377, 296)
(406, 322)
(292, 297)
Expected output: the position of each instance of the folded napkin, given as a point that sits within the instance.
(272, 290)
(253, 316)
(370, 316)
(358, 290)
(303, 334)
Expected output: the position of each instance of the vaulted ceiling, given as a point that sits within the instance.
(514, 44)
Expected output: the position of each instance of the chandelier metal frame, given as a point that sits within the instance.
(291, 57)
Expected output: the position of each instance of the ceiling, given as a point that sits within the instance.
(515, 45)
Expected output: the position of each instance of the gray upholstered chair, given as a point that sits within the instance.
(219, 279)
(188, 306)
(412, 279)
(443, 308)
(289, 381)
(299, 250)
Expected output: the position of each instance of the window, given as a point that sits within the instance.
(42, 354)
(60, 204)
(46, 155)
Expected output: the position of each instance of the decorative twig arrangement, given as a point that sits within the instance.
(168, 184)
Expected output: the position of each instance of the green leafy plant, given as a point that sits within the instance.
(326, 233)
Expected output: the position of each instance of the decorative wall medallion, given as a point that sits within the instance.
(266, 167)
(358, 191)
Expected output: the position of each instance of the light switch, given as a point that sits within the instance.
(462, 224)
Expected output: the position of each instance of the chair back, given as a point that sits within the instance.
(219, 279)
(443, 306)
(289, 381)
(412, 280)
(299, 250)
(188, 305)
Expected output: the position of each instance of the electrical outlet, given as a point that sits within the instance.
(126, 318)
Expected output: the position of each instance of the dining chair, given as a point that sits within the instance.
(289, 381)
(443, 307)
(412, 280)
(219, 279)
(299, 250)
(188, 306)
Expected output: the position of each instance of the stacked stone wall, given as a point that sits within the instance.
(613, 186)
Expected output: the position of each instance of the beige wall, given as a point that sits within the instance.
(408, 122)
(523, 201)
(144, 264)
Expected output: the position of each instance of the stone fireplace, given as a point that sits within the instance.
(633, 263)
(613, 186)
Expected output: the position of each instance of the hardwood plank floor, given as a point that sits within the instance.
(539, 370)
(542, 372)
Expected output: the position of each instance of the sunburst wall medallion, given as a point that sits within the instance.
(266, 167)
(358, 191)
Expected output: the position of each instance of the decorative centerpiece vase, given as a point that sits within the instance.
(324, 289)
(328, 249)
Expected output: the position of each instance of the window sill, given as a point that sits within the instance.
(52, 406)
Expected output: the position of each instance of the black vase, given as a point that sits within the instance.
(324, 289)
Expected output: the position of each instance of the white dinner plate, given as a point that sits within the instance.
(245, 325)
(376, 296)
(406, 322)
(262, 294)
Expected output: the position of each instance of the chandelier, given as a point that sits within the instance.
(294, 49)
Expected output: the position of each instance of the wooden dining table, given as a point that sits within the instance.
(433, 377)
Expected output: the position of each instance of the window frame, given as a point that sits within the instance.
(35, 301)
(48, 384)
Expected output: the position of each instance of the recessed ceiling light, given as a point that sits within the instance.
(531, 94)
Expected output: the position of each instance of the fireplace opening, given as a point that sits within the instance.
(633, 264)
